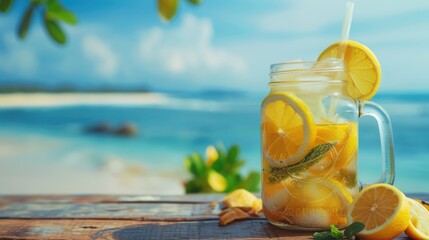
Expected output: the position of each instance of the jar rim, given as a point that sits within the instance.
(299, 66)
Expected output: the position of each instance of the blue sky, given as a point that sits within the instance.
(220, 44)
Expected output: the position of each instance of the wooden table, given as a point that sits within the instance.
(129, 217)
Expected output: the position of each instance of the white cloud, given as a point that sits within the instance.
(188, 49)
(101, 55)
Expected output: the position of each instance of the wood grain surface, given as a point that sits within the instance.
(129, 217)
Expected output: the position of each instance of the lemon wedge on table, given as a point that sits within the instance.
(363, 71)
(288, 129)
(425, 204)
(383, 209)
(418, 227)
(242, 198)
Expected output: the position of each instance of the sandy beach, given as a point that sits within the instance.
(20, 173)
(23, 171)
(31, 164)
(19, 100)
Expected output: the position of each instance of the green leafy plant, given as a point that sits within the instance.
(54, 13)
(336, 234)
(219, 171)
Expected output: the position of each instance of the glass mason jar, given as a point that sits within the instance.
(309, 138)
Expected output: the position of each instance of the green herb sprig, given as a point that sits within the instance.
(312, 157)
(336, 234)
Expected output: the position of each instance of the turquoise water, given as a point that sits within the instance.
(189, 122)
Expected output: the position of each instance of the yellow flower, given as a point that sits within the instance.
(211, 155)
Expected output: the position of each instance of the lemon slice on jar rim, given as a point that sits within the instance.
(363, 71)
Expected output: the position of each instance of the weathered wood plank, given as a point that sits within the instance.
(191, 198)
(97, 207)
(188, 198)
(57, 229)
(254, 229)
(134, 211)
(129, 230)
(99, 229)
(128, 217)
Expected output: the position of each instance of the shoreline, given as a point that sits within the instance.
(24, 100)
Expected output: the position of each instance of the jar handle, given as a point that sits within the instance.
(386, 138)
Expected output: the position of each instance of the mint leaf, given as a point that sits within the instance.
(353, 229)
(323, 236)
(336, 233)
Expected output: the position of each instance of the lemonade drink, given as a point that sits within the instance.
(309, 146)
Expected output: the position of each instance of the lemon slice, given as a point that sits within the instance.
(423, 203)
(418, 227)
(383, 209)
(329, 133)
(288, 129)
(347, 149)
(362, 68)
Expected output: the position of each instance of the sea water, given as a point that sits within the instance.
(187, 123)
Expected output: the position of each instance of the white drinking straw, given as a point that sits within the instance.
(345, 33)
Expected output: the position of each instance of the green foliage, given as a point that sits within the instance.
(25, 21)
(54, 13)
(5, 5)
(219, 172)
(55, 31)
(167, 9)
(195, 2)
(336, 234)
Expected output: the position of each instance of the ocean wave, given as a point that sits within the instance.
(155, 100)
(242, 103)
